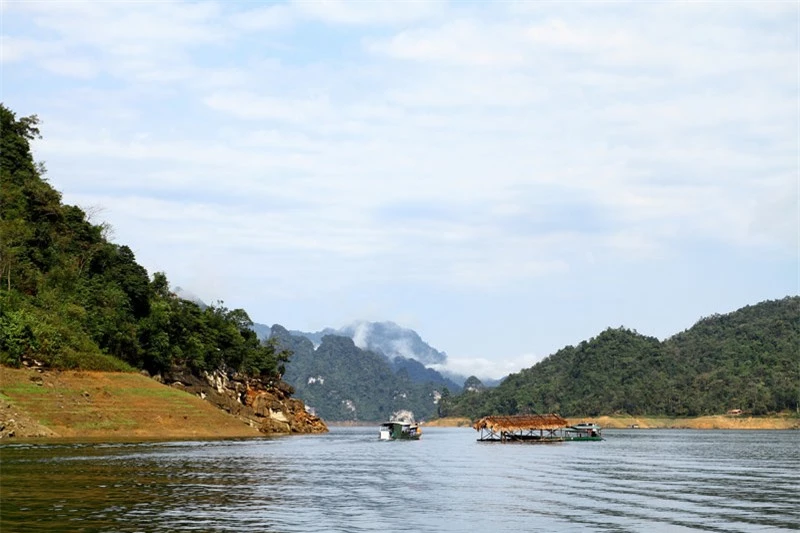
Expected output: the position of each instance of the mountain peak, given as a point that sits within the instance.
(392, 340)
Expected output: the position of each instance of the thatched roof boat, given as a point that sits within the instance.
(520, 422)
(529, 428)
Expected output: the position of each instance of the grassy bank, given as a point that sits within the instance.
(780, 421)
(106, 404)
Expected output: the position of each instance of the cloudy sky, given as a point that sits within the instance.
(504, 178)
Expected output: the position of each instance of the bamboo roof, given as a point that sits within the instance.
(520, 422)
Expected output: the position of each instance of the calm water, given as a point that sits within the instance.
(637, 480)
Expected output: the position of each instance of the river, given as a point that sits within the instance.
(348, 480)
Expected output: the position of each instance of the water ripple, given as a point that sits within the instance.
(347, 480)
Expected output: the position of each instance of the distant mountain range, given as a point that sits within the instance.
(344, 382)
(397, 343)
(361, 371)
(387, 338)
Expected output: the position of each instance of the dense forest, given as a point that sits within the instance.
(343, 382)
(748, 359)
(71, 299)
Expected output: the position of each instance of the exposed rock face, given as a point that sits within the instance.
(269, 407)
(13, 423)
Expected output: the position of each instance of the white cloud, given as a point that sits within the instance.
(462, 42)
(271, 17)
(368, 13)
(317, 147)
(250, 106)
(14, 48)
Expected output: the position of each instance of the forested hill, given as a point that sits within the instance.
(345, 383)
(69, 298)
(748, 359)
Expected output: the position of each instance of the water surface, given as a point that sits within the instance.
(348, 480)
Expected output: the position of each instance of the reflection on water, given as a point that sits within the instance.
(348, 480)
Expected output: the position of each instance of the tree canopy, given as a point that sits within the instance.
(70, 298)
(748, 359)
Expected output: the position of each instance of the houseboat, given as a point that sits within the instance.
(400, 430)
(534, 429)
(583, 431)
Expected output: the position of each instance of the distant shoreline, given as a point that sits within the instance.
(776, 422)
(92, 405)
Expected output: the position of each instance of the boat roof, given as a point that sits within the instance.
(520, 422)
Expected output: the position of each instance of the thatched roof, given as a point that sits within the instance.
(520, 422)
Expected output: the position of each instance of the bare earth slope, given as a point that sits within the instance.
(103, 404)
(781, 421)
(701, 422)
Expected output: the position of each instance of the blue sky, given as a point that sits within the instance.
(504, 178)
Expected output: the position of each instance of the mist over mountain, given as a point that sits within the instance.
(387, 338)
(346, 383)
(189, 296)
(403, 347)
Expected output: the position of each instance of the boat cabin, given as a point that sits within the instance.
(400, 430)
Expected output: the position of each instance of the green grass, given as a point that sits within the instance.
(92, 361)
(28, 389)
(113, 423)
(149, 392)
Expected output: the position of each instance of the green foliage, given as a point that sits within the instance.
(16, 337)
(344, 382)
(746, 360)
(71, 299)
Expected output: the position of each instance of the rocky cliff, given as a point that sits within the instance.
(266, 406)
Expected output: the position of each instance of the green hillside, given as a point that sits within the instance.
(748, 359)
(345, 383)
(71, 299)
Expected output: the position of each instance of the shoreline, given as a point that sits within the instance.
(52, 404)
(784, 421)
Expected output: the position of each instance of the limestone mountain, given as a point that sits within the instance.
(387, 338)
(342, 382)
(403, 347)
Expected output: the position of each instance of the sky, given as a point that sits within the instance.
(505, 178)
